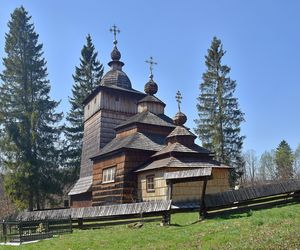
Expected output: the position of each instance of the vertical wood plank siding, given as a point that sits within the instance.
(100, 119)
(181, 191)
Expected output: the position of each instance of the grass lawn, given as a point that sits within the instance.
(276, 228)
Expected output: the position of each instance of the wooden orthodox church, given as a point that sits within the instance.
(133, 152)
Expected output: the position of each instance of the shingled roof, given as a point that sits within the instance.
(192, 173)
(178, 147)
(173, 162)
(111, 88)
(181, 131)
(149, 142)
(151, 98)
(149, 118)
(83, 185)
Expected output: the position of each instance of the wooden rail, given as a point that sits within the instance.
(211, 205)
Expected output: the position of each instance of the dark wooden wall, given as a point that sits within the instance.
(81, 200)
(124, 188)
(109, 110)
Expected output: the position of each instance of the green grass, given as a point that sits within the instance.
(276, 228)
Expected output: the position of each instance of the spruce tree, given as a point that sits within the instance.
(28, 120)
(284, 159)
(86, 78)
(220, 117)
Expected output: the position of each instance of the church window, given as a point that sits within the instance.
(108, 175)
(150, 183)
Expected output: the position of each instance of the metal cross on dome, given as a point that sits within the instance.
(178, 99)
(115, 30)
(151, 63)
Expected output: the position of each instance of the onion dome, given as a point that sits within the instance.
(115, 54)
(151, 87)
(116, 77)
(179, 119)
(180, 134)
(150, 102)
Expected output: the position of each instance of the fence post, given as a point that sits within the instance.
(4, 230)
(20, 230)
(46, 225)
(80, 223)
(70, 223)
(202, 209)
(166, 218)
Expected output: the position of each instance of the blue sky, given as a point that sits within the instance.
(261, 38)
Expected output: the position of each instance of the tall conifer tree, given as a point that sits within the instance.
(86, 78)
(284, 159)
(219, 121)
(28, 120)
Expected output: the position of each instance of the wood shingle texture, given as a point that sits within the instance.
(193, 173)
(136, 140)
(111, 103)
(186, 164)
(83, 185)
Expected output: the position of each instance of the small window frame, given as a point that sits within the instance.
(150, 183)
(109, 174)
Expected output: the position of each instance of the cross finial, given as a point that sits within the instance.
(151, 63)
(178, 99)
(114, 29)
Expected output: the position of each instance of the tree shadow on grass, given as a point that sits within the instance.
(185, 225)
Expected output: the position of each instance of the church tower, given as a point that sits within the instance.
(110, 104)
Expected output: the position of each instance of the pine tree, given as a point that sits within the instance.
(218, 126)
(87, 77)
(284, 159)
(28, 120)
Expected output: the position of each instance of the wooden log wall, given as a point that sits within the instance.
(156, 108)
(182, 191)
(160, 186)
(124, 188)
(82, 200)
(102, 114)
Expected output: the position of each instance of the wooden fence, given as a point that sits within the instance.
(244, 199)
(214, 204)
(22, 231)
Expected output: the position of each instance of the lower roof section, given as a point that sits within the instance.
(83, 185)
(193, 173)
(172, 162)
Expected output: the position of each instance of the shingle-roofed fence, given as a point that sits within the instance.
(61, 219)
(212, 201)
(245, 199)
(27, 226)
(98, 211)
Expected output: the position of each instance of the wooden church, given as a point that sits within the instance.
(133, 152)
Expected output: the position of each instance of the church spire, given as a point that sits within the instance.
(115, 30)
(150, 102)
(180, 118)
(116, 76)
(151, 87)
(180, 134)
(178, 99)
(115, 54)
(151, 63)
